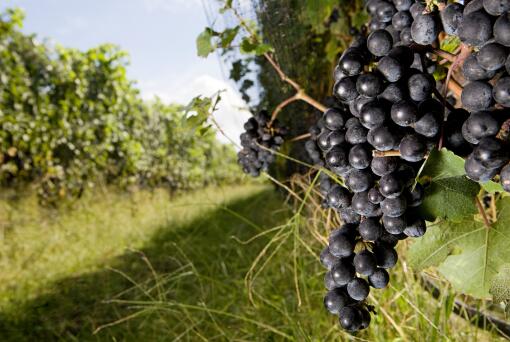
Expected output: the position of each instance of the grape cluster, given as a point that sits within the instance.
(385, 103)
(257, 142)
(484, 25)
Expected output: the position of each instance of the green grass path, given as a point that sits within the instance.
(144, 267)
(57, 269)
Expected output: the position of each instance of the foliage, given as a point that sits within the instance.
(70, 119)
(449, 194)
(470, 250)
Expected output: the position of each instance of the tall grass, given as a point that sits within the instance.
(233, 264)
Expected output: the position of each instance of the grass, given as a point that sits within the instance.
(226, 264)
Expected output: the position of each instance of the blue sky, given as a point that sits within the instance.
(159, 36)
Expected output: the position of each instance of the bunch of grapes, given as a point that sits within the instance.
(386, 109)
(385, 90)
(484, 25)
(258, 141)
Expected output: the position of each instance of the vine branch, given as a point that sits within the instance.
(301, 137)
(300, 92)
(482, 212)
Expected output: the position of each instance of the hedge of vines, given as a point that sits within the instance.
(71, 119)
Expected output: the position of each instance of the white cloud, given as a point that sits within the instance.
(231, 113)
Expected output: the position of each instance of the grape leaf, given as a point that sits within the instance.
(204, 42)
(469, 255)
(449, 194)
(443, 164)
(492, 187)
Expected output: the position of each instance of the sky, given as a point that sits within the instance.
(160, 38)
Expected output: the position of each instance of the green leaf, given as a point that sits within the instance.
(204, 42)
(440, 73)
(450, 44)
(492, 187)
(262, 49)
(443, 164)
(247, 46)
(228, 36)
(470, 255)
(500, 286)
(449, 193)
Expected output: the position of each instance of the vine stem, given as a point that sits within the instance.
(482, 212)
(450, 57)
(442, 99)
(300, 137)
(300, 92)
(391, 153)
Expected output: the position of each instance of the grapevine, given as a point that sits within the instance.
(391, 113)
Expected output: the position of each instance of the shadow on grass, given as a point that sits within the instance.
(195, 262)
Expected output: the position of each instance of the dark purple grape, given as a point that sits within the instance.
(492, 56)
(380, 42)
(475, 28)
(401, 20)
(390, 68)
(404, 113)
(360, 156)
(385, 11)
(351, 63)
(370, 229)
(375, 196)
(338, 197)
(394, 225)
(370, 85)
(412, 148)
(382, 138)
(415, 196)
(335, 300)
(362, 206)
(373, 114)
(345, 89)
(496, 7)
(492, 153)
(350, 318)
(364, 263)
(391, 185)
(358, 289)
(384, 165)
(502, 30)
(416, 229)
(328, 260)
(385, 255)
(420, 86)
(342, 273)
(425, 29)
(403, 5)
(394, 207)
(473, 71)
(359, 180)
(451, 17)
(334, 119)
(480, 125)
(417, 9)
(379, 279)
(501, 91)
